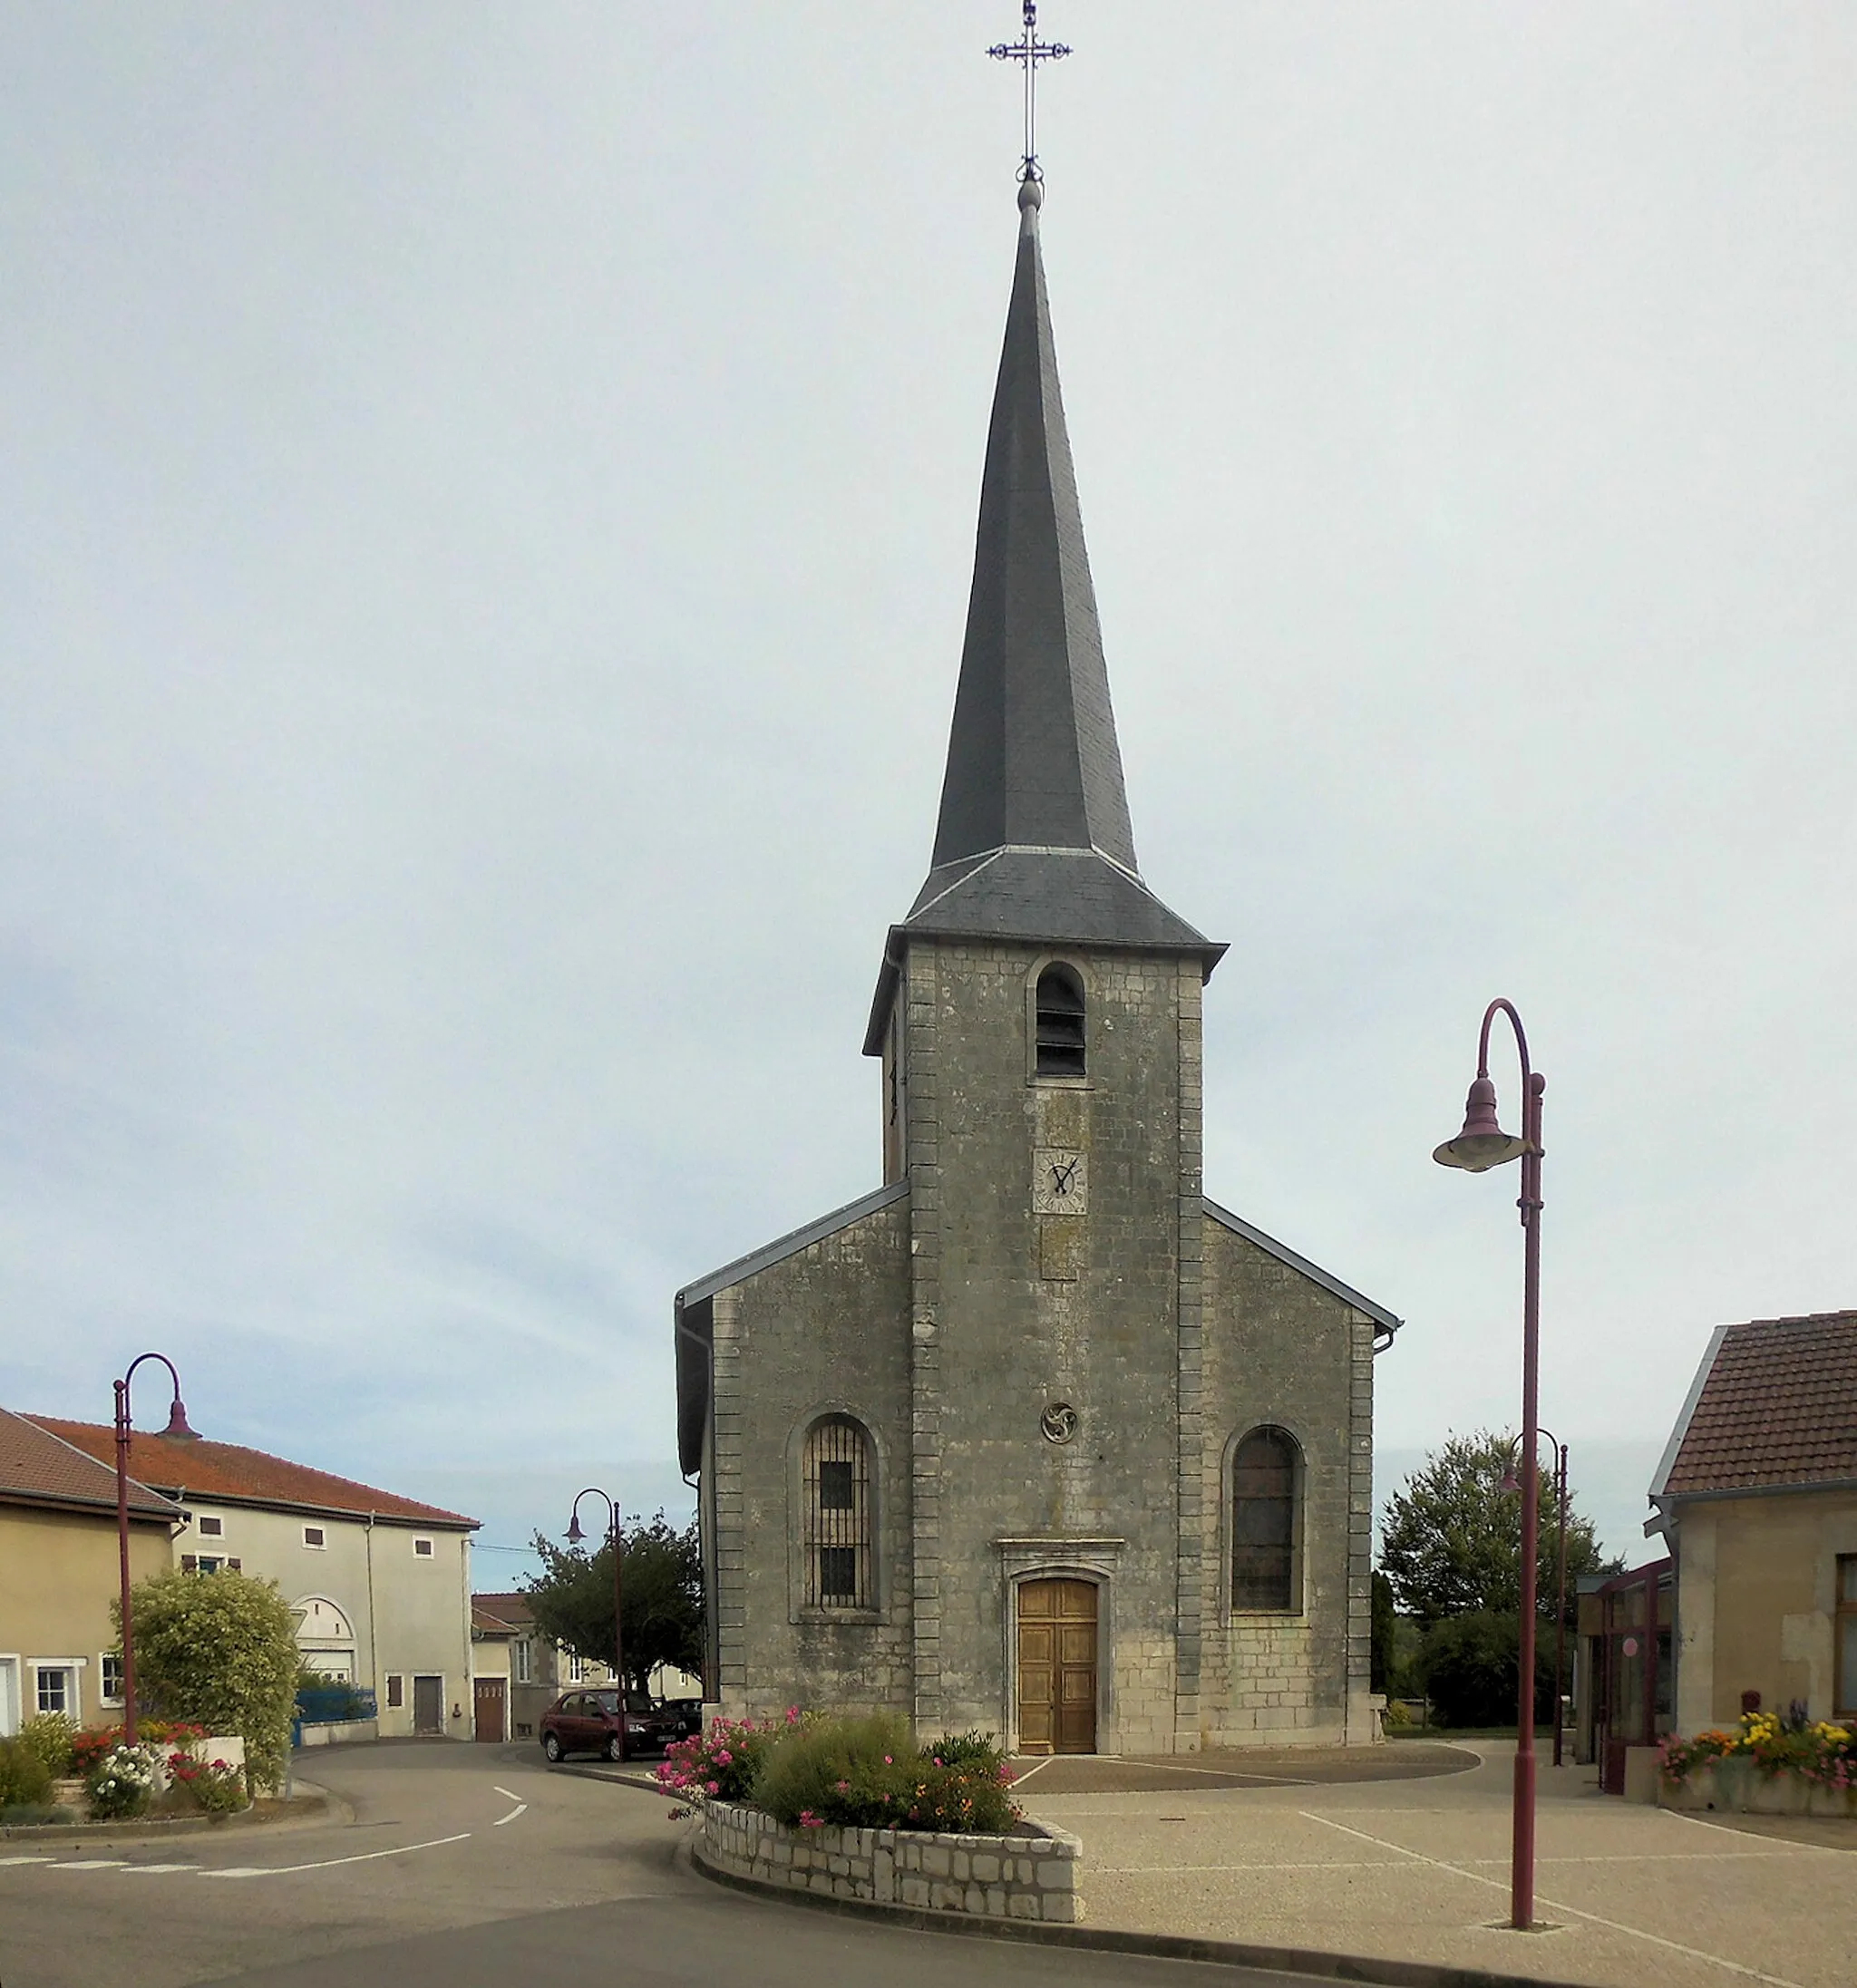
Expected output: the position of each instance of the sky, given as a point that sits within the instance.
(485, 542)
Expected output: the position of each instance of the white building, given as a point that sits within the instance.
(380, 1584)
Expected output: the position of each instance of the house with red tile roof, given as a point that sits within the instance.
(380, 1584)
(1756, 1496)
(60, 1571)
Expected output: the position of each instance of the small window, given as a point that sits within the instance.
(205, 1563)
(57, 1690)
(1264, 1523)
(835, 1469)
(396, 1690)
(422, 1549)
(313, 1536)
(212, 1528)
(1845, 1653)
(110, 1678)
(577, 1671)
(1059, 1023)
(522, 1661)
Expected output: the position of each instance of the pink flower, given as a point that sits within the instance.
(716, 1787)
(792, 1715)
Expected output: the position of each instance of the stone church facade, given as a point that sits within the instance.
(1035, 1437)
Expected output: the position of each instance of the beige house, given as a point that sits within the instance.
(380, 1584)
(1756, 1496)
(537, 1670)
(60, 1571)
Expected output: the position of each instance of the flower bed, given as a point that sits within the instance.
(1765, 1765)
(1017, 1877)
(852, 1807)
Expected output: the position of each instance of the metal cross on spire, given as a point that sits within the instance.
(1029, 51)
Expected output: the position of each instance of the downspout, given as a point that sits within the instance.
(374, 1632)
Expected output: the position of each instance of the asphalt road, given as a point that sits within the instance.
(466, 1866)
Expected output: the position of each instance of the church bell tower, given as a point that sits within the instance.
(1037, 1016)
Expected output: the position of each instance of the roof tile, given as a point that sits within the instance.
(37, 1465)
(1778, 1407)
(202, 1469)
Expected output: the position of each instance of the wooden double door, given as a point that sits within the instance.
(1057, 1666)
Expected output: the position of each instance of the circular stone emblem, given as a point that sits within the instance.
(1058, 1423)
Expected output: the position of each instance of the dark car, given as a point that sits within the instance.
(685, 1715)
(588, 1722)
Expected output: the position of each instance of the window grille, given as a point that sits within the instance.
(837, 1489)
(1264, 1522)
(1059, 1023)
(110, 1679)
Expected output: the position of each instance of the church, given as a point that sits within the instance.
(1035, 1437)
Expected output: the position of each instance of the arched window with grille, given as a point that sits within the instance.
(836, 1506)
(1266, 1523)
(1058, 1024)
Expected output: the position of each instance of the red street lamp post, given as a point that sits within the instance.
(1481, 1145)
(574, 1536)
(1512, 1482)
(176, 1426)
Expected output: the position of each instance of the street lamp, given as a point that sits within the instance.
(1512, 1482)
(1481, 1145)
(176, 1426)
(575, 1536)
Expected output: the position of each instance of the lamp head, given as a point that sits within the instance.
(178, 1429)
(1511, 1483)
(575, 1536)
(1483, 1143)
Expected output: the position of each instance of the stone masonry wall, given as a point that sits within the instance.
(990, 1877)
(1017, 1308)
(1280, 1349)
(824, 1330)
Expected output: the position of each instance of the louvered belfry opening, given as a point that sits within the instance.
(837, 1467)
(1263, 1522)
(1059, 1011)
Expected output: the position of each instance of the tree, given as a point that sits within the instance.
(1452, 1541)
(1471, 1670)
(220, 1651)
(1384, 1623)
(661, 1571)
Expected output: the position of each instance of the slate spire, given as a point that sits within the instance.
(1032, 759)
(1034, 840)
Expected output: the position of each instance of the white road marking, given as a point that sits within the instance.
(24, 1860)
(509, 1794)
(95, 1864)
(139, 1867)
(1020, 1779)
(1386, 1864)
(521, 1808)
(1573, 1912)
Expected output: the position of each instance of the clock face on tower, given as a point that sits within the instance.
(1060, 1185)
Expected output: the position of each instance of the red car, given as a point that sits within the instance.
(588, 1722)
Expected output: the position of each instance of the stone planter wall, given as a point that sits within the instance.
(1022, 1877)
(1742, 1787)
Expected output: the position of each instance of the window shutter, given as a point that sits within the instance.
(189, 1563)
(236, 1565)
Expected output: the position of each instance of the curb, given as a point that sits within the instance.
(1172, 1946)
(614, 1779)
(317, 1806)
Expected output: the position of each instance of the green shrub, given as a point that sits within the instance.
(221, 1651)
(1470, 1668)
(867, 1773)
(808, 1767)
(25, 1782)
(50, 1737)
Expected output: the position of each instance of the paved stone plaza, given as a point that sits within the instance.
(1417, 1869)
